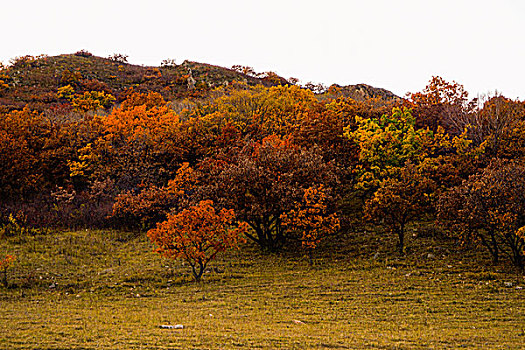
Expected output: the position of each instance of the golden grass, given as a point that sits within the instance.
(109, 291)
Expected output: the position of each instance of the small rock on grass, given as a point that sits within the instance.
(298, 322)
(170, 326)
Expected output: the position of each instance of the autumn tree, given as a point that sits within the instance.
(196, 235)
(322, 126)
(498, 121)
(401, 198)
(385, 145)
(92, 101)
(133, 145)
(311, 219)
(441, 103)
(263, 181)
(489, 208)
(153, 203)
(33, 153)
(259, 111)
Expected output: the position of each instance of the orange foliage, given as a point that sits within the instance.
(310, 217)
(196, 235)
(6, 264)
(153, 203)
(132, 145)
(441, 104)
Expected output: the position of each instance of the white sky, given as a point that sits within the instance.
(396, 45)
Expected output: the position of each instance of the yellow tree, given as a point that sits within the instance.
(385, 145)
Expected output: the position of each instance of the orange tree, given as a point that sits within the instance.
(196, 235)
(311, 218)
(33, 153)
(132, 145)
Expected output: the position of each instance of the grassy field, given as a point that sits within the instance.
(108, 290)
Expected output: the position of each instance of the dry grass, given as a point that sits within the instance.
(109, 291)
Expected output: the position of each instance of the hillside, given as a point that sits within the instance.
(34, 81)
(308, 217)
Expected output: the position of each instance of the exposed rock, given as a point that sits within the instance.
(361, 92)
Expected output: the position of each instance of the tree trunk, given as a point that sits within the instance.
(495, 248)
(401, 236)
(310, 256)
(198, 271)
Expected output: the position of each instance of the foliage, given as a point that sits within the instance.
(311, 218)
(92, 101)
(16, 225)
(385, 145)
(32, 153)
(260, 111)
(196, 235)
(152, 204)
(400, 199)
(132, 145)
(489, 208)
(263, 181)
(87, 141)
(66, 92)
(498, 122)
(441, 104)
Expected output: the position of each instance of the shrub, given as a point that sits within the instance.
(83, 53)
(5, 264)
(118, 57)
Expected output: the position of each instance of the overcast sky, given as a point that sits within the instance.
(396, 45)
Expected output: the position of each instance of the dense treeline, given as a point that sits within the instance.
(294, 165)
